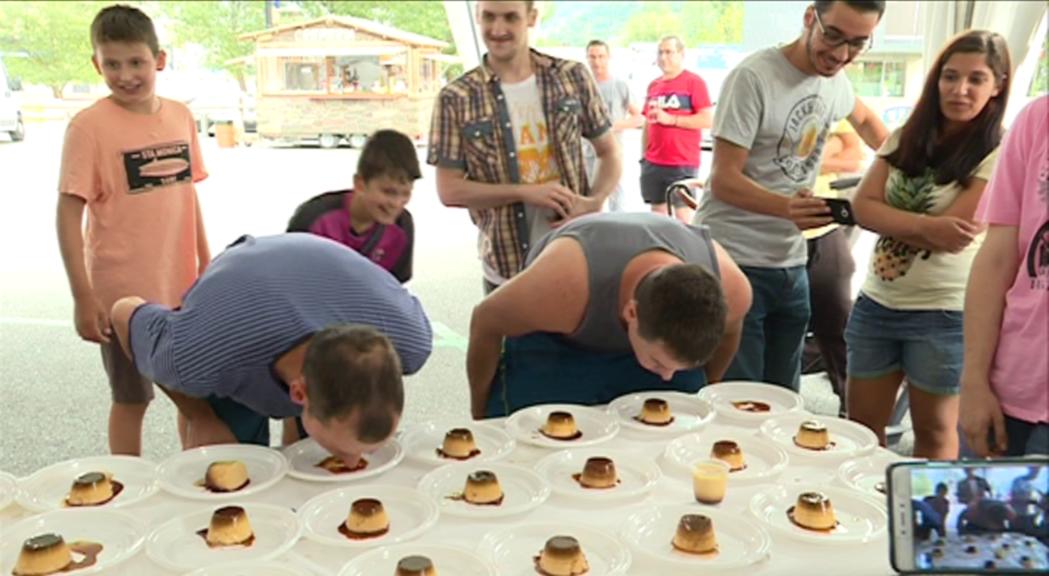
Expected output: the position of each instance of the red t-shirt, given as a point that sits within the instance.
(682, 95)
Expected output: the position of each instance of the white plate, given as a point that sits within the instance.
(422, 442)
(304, 455)
(183, 473)
(523, 489)
(8, 489)
(764, 459)
(596, 425)
(410, 512)
(723, 394)
(691, 413)
(637, 474)
(864, 474)
(47, 488)
(513, 550)
(248, 569)
(176, 546)
(119, 533)
(860, 517)
(848, 439)
(446, 559)
(741, 541)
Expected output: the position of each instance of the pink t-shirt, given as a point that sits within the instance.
(136, 173)
(683, 95)
(1018, 195)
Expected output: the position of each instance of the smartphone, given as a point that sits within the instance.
(841, 211)
(970, 516)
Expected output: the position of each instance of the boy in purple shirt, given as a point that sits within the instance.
(370, 218)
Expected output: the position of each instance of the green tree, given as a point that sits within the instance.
(48, 43)
(217, 26)
(696, 23)
(422, 17)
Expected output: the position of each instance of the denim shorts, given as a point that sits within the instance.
(925, 344)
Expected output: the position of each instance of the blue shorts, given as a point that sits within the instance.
(925, 344)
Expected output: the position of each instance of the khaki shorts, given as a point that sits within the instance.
(125, 383)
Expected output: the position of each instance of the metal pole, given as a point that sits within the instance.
(269, 14)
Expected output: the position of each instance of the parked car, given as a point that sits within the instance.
(10, 115)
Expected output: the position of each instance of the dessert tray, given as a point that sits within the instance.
(8, 489)
(410, 512)
(596, 426)
(860, 518)
(183, 473)
(637, 475)
(513, 550)
(47, 488)
(848, 439)
(727, 398)
(175, 545)
(304, 455)
(741, 541)
(119, 533)
(421, 443)
(445, 559)
(691, 413)
(523, 489)
(764, 460)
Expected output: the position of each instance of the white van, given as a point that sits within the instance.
(10, 116)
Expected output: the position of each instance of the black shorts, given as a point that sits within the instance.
(656, 178)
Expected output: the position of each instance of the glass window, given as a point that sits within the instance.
(302, 74)
(877, 79)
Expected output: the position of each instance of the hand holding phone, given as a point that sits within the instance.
(841, 211)
(970, 516)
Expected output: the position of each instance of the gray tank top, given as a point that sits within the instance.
(610, 241)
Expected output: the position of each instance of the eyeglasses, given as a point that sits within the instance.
(834, 39)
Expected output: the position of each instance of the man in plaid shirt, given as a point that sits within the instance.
(506, 138)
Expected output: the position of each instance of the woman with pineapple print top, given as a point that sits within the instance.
(920, 195)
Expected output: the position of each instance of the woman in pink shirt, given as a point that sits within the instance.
(1005, 377)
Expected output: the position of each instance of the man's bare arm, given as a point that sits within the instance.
(868, 125)
(549, 296)
(738, 297)
(455, 190)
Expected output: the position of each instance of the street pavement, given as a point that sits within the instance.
(54, 399)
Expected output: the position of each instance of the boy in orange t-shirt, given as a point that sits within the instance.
(132, 159)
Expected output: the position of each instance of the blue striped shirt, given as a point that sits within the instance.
(257, 300)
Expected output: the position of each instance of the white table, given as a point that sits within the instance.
(788, 557)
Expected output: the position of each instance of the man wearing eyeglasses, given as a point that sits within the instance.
(774, 114)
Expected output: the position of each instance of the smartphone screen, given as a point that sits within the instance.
(973, 517)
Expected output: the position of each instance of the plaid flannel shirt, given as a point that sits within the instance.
(471, 131)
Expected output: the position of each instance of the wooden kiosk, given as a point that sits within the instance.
(340, 78)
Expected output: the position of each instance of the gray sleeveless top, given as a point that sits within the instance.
(610, 241)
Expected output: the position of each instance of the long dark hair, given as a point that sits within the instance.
(954, 159)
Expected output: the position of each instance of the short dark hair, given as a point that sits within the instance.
(389, 153)
(683, 307)
(600, 43)
(858, 5)
(353, 368)
(822, 6)
(119, 23)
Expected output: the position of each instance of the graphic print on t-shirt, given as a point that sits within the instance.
(1038, 251)
(535, 160)
(804, 134)
(157, 166)
(671, 101)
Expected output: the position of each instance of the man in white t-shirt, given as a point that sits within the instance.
(773, 116)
